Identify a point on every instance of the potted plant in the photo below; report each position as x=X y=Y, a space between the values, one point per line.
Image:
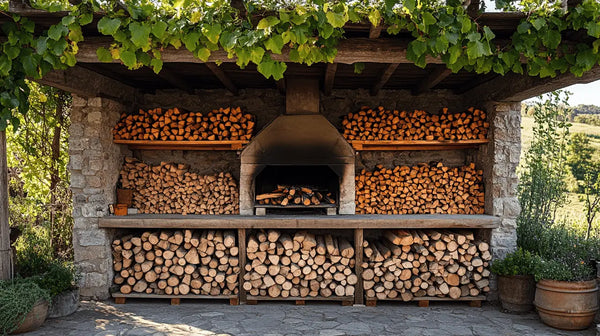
x=59 y=280
x=566 y=296
x=516 y=284
x=23 y=306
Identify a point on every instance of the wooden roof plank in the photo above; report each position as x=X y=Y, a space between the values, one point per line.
x=222 y=77
x=175 y=81
x=384 y=77
x=375 y=31
x=329 y=78
x=438 y=74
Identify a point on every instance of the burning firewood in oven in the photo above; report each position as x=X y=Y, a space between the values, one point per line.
x=293 y=195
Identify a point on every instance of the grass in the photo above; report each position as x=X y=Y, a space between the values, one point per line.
x=574 y=210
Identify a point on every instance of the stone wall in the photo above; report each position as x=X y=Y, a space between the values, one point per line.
x=94 y=165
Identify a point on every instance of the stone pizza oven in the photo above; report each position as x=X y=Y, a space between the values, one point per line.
x=300 y=147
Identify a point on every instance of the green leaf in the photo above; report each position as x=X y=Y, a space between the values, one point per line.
x=129 y=59
x=475 y=49
x=465 y=25
x=325 y=30
x=256 y=55
x=140 y=34
x=337 y=20
x=228 y=40
x=75 y=34
x=455 y=51
x=488 y=33
x=159 y=28
x=5 y=65
x=108 y=26
x=417 y=48
x=428 y=19
x=12 y=51
x=41 y=45
x=191 y=40
x=57 y=31
x=203 y=54
x=538 y=23
x=359 y=67
x=551 y=38
x=409 y=5
x=267 y=22
x=273 y=69
x=587 y=59
x=156 y=65
x=523 y=27
x=86 y=18
x=69 y=59
x=593 y=28
x=375 y=17
x=104 y=55
x=274 y=44
x=212 y=32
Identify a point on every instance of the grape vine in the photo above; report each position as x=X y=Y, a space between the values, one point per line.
x=142 y=29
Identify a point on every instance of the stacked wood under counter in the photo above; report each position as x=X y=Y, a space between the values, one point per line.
x=355 y=232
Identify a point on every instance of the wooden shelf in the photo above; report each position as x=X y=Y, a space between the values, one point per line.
x=345 y=300
x=183 y=145
x=175 y=299
x=474 y=301
x=408 y=145
x=301 y=221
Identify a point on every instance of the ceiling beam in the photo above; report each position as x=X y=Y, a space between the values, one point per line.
x=438 y=74
x=515 y=88
x=350 y=51
x=222 y=77
x=178 y=82
x=375 y=31
x=87 y=83
x=329 y=78
x=281 y=86
x=384 y=77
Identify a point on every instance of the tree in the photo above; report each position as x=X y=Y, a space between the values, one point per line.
x=580 y=155
x=591 y=197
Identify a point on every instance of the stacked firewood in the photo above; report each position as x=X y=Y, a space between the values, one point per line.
x=172 y=124
x=299 y=265
x=177 y=262
x=172 y=188
x=423 y=189
x=408 y=264
x=382 y=124
x=290 y=195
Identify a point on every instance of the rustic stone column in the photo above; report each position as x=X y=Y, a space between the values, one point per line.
x=94 y=165
x=499 y=160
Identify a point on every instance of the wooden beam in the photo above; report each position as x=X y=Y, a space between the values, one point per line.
x=175 y=81
x=281 y=86
x=88 y=83
x=515 y=88
x=375 y=31
x=384 y=77
x=329 y=78
x=5 y=250
x=438 y=74
x=350 y=51
x=222 y=77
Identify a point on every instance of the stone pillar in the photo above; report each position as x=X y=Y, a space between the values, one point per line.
x=500 y=159
x=95 y=162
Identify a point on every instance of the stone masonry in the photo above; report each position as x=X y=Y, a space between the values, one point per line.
x=95 y=161
x=94 y=166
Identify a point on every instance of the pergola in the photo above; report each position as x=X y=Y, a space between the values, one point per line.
x=386 y=68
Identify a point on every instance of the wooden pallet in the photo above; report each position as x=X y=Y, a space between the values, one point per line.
x=175 y=299
x=183 y=145
x=407 y=145
x=474 y=301
x=300 y=301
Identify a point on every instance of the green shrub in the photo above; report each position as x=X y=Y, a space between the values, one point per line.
x=520 y=262
x=17 y=298
x=34 y=251
x=550 y=269
x=59 y=277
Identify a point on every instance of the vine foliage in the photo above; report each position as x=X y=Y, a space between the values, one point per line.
x=308 y=30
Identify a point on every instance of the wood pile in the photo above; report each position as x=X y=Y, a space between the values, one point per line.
x=290 y=195
x=382 y=124
x=174 y=189
x=422 y=189
x=302 y=264
x=407 y=264
x=177 y=263
x=172 y=124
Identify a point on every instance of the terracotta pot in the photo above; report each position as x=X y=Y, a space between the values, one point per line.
x=567 y=305
x=34 y=319
x=516 y=292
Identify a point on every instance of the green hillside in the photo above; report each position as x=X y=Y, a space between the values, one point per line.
x=574 y=209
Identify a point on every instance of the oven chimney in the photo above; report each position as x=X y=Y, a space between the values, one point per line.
x=301 y=96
